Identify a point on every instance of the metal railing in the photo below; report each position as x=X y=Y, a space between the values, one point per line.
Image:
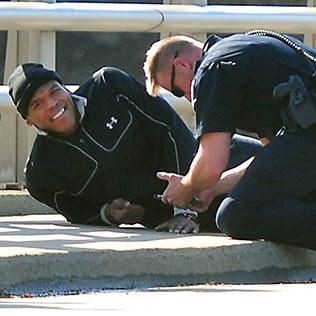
x=110 y=17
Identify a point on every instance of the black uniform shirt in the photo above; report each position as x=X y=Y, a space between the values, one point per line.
x=234 y=81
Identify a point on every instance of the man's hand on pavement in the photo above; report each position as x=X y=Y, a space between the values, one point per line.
x=123 y=212
x=183 y=224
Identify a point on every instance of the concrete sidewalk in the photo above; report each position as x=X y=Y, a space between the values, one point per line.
x=44 y=252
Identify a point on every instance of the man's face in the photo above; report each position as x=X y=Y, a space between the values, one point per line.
x=177 y=80
x=52 y=109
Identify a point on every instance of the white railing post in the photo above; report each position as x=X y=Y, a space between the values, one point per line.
x=310 y=38
x=23 y=46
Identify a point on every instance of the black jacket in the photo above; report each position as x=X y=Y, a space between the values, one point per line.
x=124 y=138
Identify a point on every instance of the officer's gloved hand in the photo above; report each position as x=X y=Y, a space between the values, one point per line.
x=181 y=223
x=123 y=212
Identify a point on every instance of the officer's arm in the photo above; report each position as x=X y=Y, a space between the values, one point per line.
x=205 y=170
x=228 y=180
x=226 y=184
x=209 y=163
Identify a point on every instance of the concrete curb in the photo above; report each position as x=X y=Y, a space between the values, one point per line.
x=45 y=252
x=20 y=202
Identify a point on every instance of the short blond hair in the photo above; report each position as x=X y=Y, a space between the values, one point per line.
x=158 y=57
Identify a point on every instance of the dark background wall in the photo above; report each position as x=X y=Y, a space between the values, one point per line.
x=81 y=53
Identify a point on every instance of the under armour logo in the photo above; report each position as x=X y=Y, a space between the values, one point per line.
x=110 y=124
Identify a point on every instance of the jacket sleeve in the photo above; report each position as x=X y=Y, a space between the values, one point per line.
x=48 y=181
x=76 y=209
x=81 y=210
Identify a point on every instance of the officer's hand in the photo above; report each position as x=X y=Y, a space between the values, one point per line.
x=123 y=212
x=179 y=224
x=176 y=193
x=202 y=202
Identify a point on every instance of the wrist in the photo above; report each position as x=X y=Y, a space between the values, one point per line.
x=106 y=215
x=189 y=216
x=188 y=186
x=181 y=211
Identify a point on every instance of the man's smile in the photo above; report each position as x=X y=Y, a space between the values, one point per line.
x=58 y=114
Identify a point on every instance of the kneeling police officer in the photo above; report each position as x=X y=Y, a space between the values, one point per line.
x=260 y=82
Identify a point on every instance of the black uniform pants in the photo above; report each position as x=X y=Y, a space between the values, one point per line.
x=276 y=198
x=241 y=149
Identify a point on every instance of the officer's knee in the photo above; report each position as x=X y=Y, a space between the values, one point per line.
x=231 y=219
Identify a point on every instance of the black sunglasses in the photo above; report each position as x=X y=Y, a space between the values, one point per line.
x=175 y=90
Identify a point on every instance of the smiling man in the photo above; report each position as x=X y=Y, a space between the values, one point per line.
x=51 y=108
x=98 y=149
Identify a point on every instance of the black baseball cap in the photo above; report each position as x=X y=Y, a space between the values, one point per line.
x=25 y=80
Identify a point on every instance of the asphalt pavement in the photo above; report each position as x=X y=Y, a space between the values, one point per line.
x=42 y=252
